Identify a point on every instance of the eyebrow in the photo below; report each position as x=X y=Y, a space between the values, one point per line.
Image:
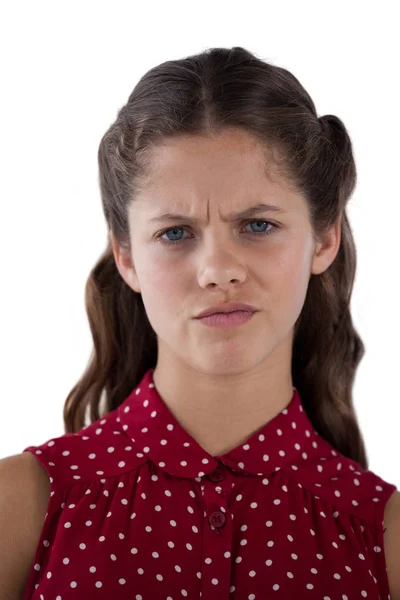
x=243 y=214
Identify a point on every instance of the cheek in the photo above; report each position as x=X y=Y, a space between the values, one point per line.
x=285 y=279
x=162 y=291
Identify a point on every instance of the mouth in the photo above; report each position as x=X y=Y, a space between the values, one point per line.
x=226 y=319
x=228 y=307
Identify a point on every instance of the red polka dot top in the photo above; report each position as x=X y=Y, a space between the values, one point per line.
x=139 y=510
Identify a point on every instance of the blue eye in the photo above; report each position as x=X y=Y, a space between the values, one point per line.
x=259 y=233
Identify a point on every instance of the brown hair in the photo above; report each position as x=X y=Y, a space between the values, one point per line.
x=201 y=95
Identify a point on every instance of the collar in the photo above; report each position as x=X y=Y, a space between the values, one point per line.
x=158 y=435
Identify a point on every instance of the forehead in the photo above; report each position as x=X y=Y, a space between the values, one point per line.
x=232 y=152
x=232 y=168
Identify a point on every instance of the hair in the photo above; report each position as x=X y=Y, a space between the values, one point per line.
x=203 y=95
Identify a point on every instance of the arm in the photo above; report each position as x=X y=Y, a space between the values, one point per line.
x=392 y=544
x=24 y=496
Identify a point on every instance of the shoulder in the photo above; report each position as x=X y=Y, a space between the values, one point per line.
x=24 y=488
x=21 y=472
x=98 y=451
x=343 y=483
x=392 y=544
x=24 y=498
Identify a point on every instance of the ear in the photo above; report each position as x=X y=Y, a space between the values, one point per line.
x=326 y=251
x=124 y=263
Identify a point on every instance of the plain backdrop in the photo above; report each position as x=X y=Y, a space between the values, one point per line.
x=67 y=68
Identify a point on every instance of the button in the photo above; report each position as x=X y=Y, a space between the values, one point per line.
x=217 y=475
x=217 y=519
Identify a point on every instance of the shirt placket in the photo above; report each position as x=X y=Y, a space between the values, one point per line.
x=218 y=534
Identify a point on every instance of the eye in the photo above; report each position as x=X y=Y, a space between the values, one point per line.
x=264 y=232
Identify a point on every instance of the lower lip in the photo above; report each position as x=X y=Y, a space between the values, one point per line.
x=225 y=320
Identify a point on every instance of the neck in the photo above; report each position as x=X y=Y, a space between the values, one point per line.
x=222 y=411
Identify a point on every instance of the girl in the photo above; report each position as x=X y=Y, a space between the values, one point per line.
x=222 y=457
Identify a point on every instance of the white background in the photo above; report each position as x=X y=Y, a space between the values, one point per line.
x=66 y=69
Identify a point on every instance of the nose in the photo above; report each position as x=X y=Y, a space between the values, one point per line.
x=222 y=273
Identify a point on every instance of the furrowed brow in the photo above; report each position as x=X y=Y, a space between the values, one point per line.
x=244 y=214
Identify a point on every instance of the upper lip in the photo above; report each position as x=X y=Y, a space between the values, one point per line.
x=227 y=307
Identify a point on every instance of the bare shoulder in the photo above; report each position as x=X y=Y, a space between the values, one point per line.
x=392 y=544
x=24 y=498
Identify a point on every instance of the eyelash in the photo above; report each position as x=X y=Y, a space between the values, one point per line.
x=259 y=234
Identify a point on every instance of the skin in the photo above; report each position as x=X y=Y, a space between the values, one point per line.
x=222 y=385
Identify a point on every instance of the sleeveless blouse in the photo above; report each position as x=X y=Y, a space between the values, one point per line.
x=139 y=510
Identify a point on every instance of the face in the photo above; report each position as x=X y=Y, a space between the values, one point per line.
x=182 y=267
